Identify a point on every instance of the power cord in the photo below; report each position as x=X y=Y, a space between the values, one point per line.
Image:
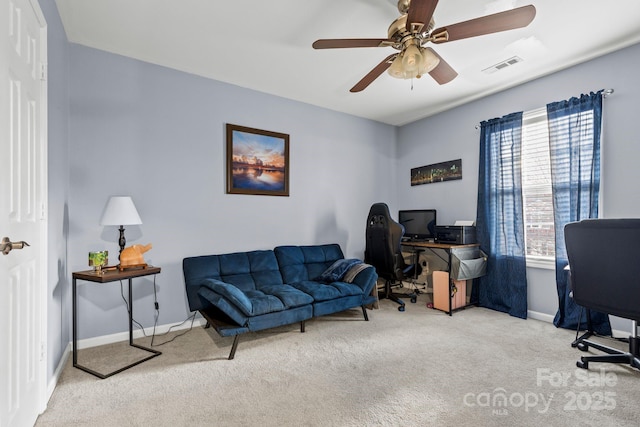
x=156 y=317
x=192 y=317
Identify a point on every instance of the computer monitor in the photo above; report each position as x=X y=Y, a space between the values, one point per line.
x=419 y=224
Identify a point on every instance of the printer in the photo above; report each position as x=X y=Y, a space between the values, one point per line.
x=456 y=234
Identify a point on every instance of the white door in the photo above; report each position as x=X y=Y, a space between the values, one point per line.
x=22 y=212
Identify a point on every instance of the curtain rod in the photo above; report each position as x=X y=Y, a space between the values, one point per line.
x=605 y=93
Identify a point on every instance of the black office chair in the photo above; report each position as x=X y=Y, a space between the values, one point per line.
x=604 y=258
x=383 y=251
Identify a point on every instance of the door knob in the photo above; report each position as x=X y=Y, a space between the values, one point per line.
x=7 y=245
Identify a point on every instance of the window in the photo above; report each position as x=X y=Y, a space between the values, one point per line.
x=537 y=197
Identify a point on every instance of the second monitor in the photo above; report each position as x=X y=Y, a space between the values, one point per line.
x=419 y=224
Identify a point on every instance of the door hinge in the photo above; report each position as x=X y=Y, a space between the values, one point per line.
x=43 y=71
x=43 y=351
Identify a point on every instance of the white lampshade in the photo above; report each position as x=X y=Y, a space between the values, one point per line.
x=120 y=210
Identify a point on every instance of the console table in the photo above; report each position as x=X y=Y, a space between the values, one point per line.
x=104 y=277
x=447 y=247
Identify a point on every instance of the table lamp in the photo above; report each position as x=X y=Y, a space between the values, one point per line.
x=121 y=211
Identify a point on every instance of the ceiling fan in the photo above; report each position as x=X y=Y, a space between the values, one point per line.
x=414 y=29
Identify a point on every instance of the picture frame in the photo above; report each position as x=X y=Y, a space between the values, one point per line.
x=437 y=172
x=257 y=161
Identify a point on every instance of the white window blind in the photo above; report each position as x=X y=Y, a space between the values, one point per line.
x=536 y=176
x=536 y=187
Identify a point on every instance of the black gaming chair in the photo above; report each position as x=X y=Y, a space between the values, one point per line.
x=605 y=277
x=383 y=251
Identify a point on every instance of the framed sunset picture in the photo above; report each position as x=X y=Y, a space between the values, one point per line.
x=257 y=161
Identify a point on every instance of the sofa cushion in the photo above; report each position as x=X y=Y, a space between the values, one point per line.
x=245 y=270
x=325 y=291
x=209 y=298
x=231 y=293
x=268 y=299
x=299 y=263
x=290 y=296
x=262 y=303
x=250 y=303
x=250 y=270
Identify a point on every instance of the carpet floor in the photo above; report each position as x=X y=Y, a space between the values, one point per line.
x=417 y=368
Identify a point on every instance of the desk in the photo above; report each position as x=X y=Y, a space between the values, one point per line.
x=105 y=277
x=447 y=247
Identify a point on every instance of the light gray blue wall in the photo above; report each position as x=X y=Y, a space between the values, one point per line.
x=452 y=135
x=159 y=135
x=58 y=285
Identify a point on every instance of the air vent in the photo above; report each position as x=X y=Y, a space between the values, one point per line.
x=502 y=65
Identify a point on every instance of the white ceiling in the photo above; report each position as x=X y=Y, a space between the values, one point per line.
x=265 y=45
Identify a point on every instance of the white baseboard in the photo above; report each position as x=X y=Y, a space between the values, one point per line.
x=549 y=319
x=137 y=333
x=540 y=316
x=58 y=372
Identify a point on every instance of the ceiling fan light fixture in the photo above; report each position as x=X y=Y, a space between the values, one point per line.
x=429 y=61
x=415 y=28
x=397 y=70
x=408 y=64
x=413 y=62
x=412 y=59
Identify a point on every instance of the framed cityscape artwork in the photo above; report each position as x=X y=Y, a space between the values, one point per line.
x=438 y=172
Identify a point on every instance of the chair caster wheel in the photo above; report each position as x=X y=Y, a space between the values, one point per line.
x=414 y=299
x=401 y=308
x=582 y=364
x=582 y=346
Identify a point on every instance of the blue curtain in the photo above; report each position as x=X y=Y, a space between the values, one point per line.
x=574 y=145
x=499 y=222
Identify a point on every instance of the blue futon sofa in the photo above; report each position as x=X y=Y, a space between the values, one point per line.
x=251 y=291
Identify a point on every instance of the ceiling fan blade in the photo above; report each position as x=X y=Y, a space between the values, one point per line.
x=374 y=74
x=342 y=43
x=419 y=15
x=502 y=21
x=443 y=73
